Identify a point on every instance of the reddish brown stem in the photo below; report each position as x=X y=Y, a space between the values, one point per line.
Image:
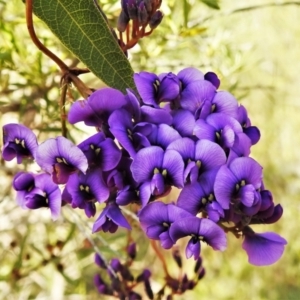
x=36 y=41
x=161 y=258
x=63 y=114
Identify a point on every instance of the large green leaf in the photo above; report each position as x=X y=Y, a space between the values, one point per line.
x=82 y=28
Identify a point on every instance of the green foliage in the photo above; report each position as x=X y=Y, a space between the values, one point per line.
x=83 y=29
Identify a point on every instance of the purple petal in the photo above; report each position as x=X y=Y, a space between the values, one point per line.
x=155 y=115
x=144 y=163
x=263 y=249
x=169 y=88
x=18 y=141
x=184 y=122
x=147 y=84
x=193 y=248
x=115 y=214
x=194 y=95
x=81 y=111
x=165 y=135
x=213 y=78
x=253 y=133
x=246 y=168
x=174 y=165
x=188 y=75
x=210 y=154
x=224 y=186
x=225 y=103
x=185 y=147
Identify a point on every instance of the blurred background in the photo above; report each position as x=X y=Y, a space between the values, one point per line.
x=254 y=47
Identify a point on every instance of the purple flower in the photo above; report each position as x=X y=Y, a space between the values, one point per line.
x=199 y=157
x=200 y=230
x=223 y=102
x=18 y=141
x=218 y=128
x=110 y=218
x=251 y=131
x=61 y=158
x=199 y=197
x=97 y=108
x=156 y=219
x=156 y=170
x=195 y=94
x=263 y=248
x=37 y=191
x=238 y=183
x=101 y=151
x=86 y=189
x=23 y=183
x=156 y=89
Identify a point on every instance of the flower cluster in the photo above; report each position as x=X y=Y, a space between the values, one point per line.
x=138 y=18
x=178 y=131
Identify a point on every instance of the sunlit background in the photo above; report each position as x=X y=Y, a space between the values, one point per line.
x=255 y=50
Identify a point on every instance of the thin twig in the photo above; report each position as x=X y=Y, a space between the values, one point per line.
x=36 y=41
x=62 y=105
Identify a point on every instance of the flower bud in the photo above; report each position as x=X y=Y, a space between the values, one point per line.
x=131 y=250
x=123 y=21
x=142 y=14
x=156 y=19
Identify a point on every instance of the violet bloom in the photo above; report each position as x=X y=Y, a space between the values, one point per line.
x=156 y=219
x=86 y=189
x=198 y=156
x=157 y=170
x=37 y=193
x=101 y=152
x=263 y=249
x=96 y=110
x=23 y=183
x=18 y=141
x=222 y=102
x=218 y=128
x=200 y=230
x=238 y=183
x=251 y=131
x=110 y=218
x=155 y=89
x=199 y=197
x=195 y=94
x=122 y=127
x=61 y=158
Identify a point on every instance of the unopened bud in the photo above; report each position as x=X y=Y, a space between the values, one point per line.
x=177 y=258
x=142 y=14
x=123 y=21
x=156 y=19
x=131 y=250
x=132 y=10
x=198 y=265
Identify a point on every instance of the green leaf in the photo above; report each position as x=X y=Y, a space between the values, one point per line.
x=212 y=3
x=82 y=28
